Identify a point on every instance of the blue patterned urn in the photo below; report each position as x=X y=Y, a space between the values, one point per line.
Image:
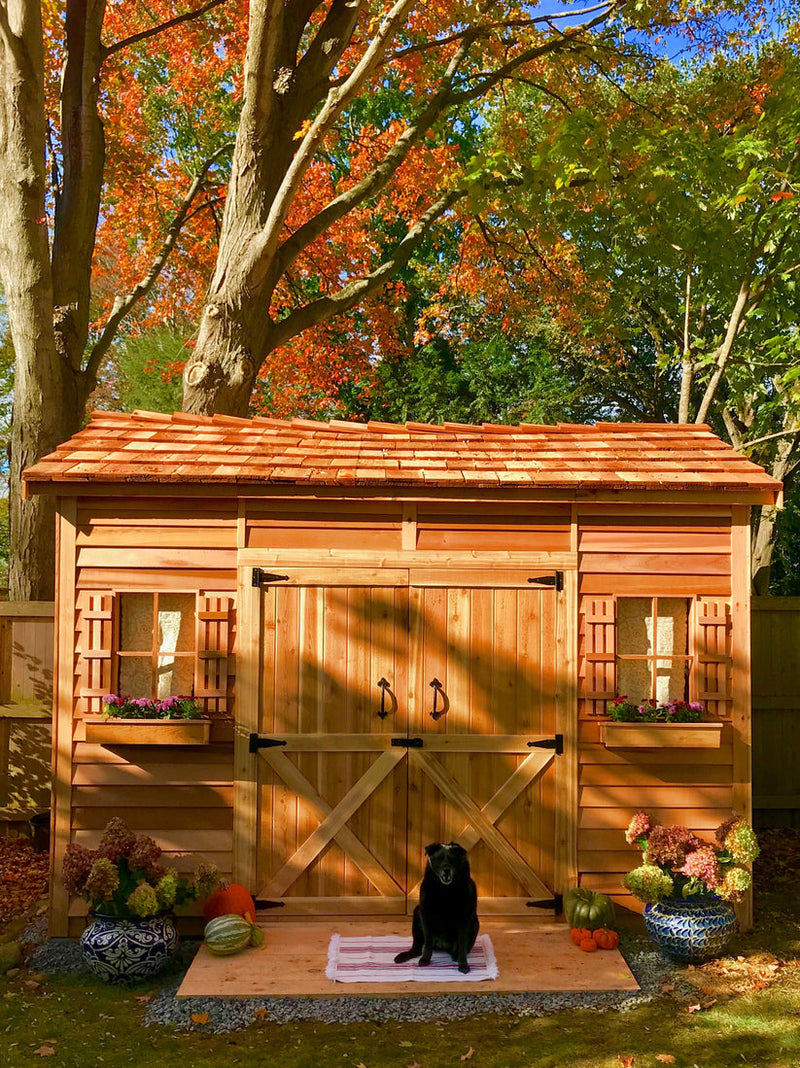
x=690 y=929
x=125 y=951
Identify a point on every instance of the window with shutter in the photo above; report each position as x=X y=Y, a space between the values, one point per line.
x=95 y=648
x=600 y=652
x=214 y=662
x=714 y=661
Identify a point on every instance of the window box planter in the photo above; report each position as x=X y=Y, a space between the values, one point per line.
x=658 y=735
x=102 y=731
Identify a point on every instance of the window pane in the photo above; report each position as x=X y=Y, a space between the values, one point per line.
x=634 y=679
x=136 y=622
x=672 y=680
x=672 y=631
x=135 y=676
x=635 y=626
x=176 y=622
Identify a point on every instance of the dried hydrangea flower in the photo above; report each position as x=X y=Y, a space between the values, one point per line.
x=721 y=832
x=669 y=845
x=117 y=840
x=639 y=827
x=77 y=865
x=144 y=855
x=734 y=884
x=741 y=843
x=102 y=880
x=143 y=901
x=703 y=864
x=206 y=879
x=649 y=883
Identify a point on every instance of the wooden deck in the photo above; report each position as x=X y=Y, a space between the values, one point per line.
x=532 y=956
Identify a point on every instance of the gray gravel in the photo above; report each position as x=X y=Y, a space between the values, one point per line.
x=648 y=965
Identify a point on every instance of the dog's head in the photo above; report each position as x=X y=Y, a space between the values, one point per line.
x=447 y=861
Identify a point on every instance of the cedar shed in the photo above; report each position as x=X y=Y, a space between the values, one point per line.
x=400 y=634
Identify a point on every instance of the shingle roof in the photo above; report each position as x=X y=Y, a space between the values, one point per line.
x=184 y=448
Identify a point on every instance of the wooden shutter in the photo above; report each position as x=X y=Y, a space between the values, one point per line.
x=713 y=645
x=214 y=661
x=95 y=648
x=600 y=670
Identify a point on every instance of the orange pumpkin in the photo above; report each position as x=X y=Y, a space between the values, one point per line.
x=588 y=945
x=576 y=935
x=231 y=900
x=606 y=938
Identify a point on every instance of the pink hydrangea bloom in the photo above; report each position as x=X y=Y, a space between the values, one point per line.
x=117 y=840
x=702 y=864
x=639 y=827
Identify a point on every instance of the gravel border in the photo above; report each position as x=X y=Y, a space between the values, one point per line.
x=647 y=963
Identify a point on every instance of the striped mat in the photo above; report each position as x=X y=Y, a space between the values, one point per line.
x=371 y=960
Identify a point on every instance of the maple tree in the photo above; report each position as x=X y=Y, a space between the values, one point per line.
x=297 y=154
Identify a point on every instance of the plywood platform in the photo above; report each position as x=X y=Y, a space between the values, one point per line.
x=532 y=957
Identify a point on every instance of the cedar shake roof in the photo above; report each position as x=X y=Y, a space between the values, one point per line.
x=148 y=447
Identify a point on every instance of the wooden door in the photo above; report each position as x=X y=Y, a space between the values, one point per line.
x=331 y=786
x=484 y=774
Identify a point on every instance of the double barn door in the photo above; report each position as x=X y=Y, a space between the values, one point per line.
x=394 y=712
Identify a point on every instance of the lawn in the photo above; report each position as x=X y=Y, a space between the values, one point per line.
x=744 y=1010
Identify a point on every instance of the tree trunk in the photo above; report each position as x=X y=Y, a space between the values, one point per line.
x=763 y=541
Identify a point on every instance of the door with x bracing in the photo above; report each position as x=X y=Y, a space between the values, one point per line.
x=399 y=714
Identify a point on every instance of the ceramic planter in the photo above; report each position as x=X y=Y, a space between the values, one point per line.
x=692 y=929
x=126 y=951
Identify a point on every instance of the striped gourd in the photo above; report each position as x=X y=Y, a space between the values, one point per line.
x=229 y=934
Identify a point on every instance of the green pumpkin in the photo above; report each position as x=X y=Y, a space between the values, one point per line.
x=585 y=908
x=226 y=935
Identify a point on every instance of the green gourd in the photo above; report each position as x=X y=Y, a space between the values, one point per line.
x=585 y=908
x=226 y=935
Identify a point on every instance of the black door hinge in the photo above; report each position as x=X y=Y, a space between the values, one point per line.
x=556 y=743
x=263 y=903
x=556 y=579
x=407 y=743
x=257 y=742
x=555 y=903
x=260 y=577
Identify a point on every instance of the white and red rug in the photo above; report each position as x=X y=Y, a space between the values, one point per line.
x=370 y=959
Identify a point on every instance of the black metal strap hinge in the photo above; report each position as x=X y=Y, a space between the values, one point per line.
x=263 y=903
x=260 y=577
x=555 y=903
x=407 y=743
x=258 y=742
x=556 y=579
x=556 y=743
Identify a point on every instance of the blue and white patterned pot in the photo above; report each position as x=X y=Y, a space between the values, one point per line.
x=691 y=929
x=125 y=951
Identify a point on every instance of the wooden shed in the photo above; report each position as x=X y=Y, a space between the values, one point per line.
x=401 y=634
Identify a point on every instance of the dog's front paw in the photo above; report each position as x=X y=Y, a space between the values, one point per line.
x=424 y=960
x=463 y=967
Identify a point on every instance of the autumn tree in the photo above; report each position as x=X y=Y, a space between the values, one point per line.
x=115 y=181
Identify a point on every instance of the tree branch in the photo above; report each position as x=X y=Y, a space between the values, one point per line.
x=351 y=294
x=153 y=31
x=123 y=305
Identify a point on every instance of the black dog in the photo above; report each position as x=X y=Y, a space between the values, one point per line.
x=447 y=914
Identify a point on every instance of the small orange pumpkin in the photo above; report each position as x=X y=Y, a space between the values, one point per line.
x=230 y=900
x=606 y=938
x=588 y=945
x=576 y=935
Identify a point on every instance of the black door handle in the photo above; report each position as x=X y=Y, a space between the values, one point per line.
x=437 y=688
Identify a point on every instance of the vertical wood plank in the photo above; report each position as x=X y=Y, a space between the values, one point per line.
x=408 y=528
x=740 y=681
x=63 y=711
x=567 y=814
x=245 y=791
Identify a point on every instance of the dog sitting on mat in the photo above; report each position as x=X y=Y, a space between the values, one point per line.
x=447 y=914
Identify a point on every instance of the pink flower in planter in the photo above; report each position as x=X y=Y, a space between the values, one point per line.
x=703 y=865
x=639 y=827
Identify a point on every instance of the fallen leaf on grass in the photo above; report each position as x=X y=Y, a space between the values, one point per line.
x=44 y=1051
x=468 y=1055
x=260 y=1014
x=416 y=1064
x=406 y=1045
x=199 y=1017
x=665 y=1058
x=626 y=1062
x=144 y=997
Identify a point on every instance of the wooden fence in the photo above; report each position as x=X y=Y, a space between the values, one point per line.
x=776 y=711
x=26 y=694
x=26 y=679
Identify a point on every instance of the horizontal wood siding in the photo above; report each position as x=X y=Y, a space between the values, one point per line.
x=660 y=552
x=181 y=796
